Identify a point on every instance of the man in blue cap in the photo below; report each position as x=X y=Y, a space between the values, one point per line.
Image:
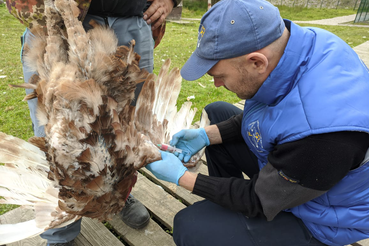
x=302 y=137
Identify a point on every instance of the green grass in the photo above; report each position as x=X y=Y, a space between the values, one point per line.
x=178 y=44
x=6 y=208
x=303 y=14
x=351 y=35
x=14 y=114
x=195 y=9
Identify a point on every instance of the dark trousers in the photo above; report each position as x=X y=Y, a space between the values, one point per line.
x=206 y=223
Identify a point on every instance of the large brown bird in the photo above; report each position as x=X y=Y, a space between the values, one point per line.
x=95 y=141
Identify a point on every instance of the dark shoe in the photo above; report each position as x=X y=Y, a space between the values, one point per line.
x=134 y=214
x=71 y=243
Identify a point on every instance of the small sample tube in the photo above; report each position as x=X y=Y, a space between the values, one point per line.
x=169 y=148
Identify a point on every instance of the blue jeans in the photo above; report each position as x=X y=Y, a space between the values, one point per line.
x=207 y=223
x=125 y=29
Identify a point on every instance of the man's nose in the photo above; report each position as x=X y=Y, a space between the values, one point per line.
x=218 y=82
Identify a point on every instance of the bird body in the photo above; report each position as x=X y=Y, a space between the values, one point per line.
x=95 y=141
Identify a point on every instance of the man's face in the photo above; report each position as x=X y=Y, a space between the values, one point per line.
x=235 y=76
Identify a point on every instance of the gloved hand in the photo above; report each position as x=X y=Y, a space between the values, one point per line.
x=190 y=141
x=168 y=169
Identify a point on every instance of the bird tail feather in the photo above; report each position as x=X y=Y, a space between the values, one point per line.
x=24 y=181
x=15 y=232
x=204 y=121
x=22 y=154
x=156 y=108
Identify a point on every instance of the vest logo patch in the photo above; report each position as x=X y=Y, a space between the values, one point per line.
x=254 y=136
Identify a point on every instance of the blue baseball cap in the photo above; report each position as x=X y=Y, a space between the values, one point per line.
x=232 y=28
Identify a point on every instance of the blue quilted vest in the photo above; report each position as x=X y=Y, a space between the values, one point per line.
x=319 y=86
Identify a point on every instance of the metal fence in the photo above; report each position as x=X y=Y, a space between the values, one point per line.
x=363 y=12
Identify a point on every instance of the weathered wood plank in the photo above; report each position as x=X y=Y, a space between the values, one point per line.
x=238 y=105
x=363 y=51
x=203 y=158
x=95 y=233
x=30 y=242
x=181 y=193
x=81 y=241
x=186 y=196
x=92 y=231
x=201 y=168
x=152 y=234
x=364 y=242
x=157 y=200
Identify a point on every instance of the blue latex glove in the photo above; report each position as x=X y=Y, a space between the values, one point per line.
x=168 y=169
x=190 y=141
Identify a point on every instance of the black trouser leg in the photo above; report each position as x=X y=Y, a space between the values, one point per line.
x=206 y=223
x=231 y=159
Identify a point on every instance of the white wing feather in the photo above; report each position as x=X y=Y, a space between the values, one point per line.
x=14 y=232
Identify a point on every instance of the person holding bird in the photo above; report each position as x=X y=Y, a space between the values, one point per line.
x=130 y=20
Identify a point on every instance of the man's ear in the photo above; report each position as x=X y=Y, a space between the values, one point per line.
x=257 y=61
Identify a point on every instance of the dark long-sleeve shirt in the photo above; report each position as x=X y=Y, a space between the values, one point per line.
x=296 y=172
x=124 y=8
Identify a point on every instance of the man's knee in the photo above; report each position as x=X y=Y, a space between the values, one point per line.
x=220 y=111
x=183 y=228
x=214 y=107
x=178 y=225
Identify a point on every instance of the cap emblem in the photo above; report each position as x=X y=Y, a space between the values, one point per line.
x=201 y=35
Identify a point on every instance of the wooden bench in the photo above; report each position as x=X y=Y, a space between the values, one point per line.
x=162 y=199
